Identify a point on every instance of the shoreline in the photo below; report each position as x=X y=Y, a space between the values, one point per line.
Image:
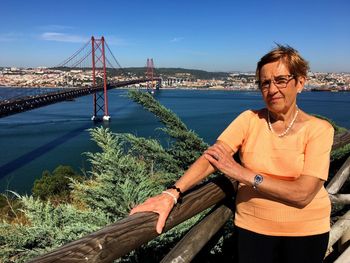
x=180 y=88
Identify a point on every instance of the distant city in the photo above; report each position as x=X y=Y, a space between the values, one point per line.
x=171 y=78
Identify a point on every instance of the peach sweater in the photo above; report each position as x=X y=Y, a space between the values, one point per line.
x=305 y=152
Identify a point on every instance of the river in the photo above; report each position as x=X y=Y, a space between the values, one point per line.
x=44 y=138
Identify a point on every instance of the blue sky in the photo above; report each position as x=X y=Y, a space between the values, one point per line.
x=210 y=35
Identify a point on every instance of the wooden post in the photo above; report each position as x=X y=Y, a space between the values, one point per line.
x=339 y=179
x=344 y=240
x=342 y=199
x=337 y=230
x=344 y=257
x=188 y=247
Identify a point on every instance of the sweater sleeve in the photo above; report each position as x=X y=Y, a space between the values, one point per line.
x=236 y=132
x=317 y=151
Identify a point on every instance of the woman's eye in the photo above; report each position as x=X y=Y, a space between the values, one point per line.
x=265 y=83
x=281 y=80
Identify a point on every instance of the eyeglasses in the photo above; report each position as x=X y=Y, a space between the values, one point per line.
x=280 y=82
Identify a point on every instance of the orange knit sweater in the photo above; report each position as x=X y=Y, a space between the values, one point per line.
x=305 y=152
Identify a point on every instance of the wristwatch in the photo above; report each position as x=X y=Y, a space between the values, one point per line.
x=258 y=179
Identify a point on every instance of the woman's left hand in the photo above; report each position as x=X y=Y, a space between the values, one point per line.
x=222 y=159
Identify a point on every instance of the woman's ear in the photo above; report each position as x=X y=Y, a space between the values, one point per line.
x=300 y=83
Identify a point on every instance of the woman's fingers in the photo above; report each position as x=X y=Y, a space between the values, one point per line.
x=214 y=153
x=163 y=213
x=213 y=160
x=217 y=151
x=137 y=209
x=161 y=222
x=221 y=148
x=161 y=204
x=221 y=159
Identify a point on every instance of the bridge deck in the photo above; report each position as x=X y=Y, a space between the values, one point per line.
x=13 y=106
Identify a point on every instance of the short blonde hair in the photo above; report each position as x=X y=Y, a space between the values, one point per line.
x=297 y=65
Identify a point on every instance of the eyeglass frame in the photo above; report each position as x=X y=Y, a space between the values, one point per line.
x=289 y=76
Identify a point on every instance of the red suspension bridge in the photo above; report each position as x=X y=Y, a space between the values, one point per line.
x=99 y=72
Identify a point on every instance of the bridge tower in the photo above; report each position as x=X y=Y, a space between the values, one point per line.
x=99 y=77
x=150 y=75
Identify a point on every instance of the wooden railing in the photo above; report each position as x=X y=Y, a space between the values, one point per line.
x=118 y=239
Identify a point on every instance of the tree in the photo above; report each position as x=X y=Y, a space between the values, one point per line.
x=55 y=184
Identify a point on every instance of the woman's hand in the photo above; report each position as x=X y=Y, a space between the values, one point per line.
x=221 y=158
x=161 y=204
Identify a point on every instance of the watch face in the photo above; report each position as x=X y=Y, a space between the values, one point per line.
x=258 y=179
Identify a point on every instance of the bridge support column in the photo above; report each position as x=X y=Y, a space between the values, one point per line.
x=106 y=116
x=150 y=73
x=100 y=99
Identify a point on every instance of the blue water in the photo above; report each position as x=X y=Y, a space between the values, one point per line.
x=44 y=138
x=14 y=93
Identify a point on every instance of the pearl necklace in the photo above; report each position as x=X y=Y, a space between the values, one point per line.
x=289 y=126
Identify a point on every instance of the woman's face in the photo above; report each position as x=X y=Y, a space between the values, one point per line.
x=279 y=99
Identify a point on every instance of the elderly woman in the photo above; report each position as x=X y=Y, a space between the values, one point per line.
x=282 y=208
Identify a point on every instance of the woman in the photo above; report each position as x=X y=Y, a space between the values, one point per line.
x=282 y=208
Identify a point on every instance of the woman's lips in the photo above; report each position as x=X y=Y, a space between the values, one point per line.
x=275 y=99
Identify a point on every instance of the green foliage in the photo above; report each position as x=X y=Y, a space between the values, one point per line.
x=55 y=184
x=165 y=115
x=171 y=72
x=342 y=151
x=119 y=180
x=10 y=208
x=187 y=146
x=50 y=227
x=152 y=152
x=167 y=72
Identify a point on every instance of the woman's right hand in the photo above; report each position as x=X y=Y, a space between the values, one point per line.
x=161 y=204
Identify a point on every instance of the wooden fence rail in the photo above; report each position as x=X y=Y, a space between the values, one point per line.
x=129 y=233
x=120 y=238
x=341 y=139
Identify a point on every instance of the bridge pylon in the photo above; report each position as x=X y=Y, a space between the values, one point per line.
x=150 y=76
x=99 y=78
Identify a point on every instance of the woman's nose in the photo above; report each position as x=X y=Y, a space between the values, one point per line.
x=273 y=88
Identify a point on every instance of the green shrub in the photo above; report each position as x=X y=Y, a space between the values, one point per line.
x=55 y=184
x=50 y=226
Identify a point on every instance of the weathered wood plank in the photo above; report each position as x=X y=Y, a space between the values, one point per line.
x=344 y=257
x=188 y=247
x=129 y=233
x=341 y=140
x=340 y=178
x=344 y=241
x=342 y=199
x=337 y=230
